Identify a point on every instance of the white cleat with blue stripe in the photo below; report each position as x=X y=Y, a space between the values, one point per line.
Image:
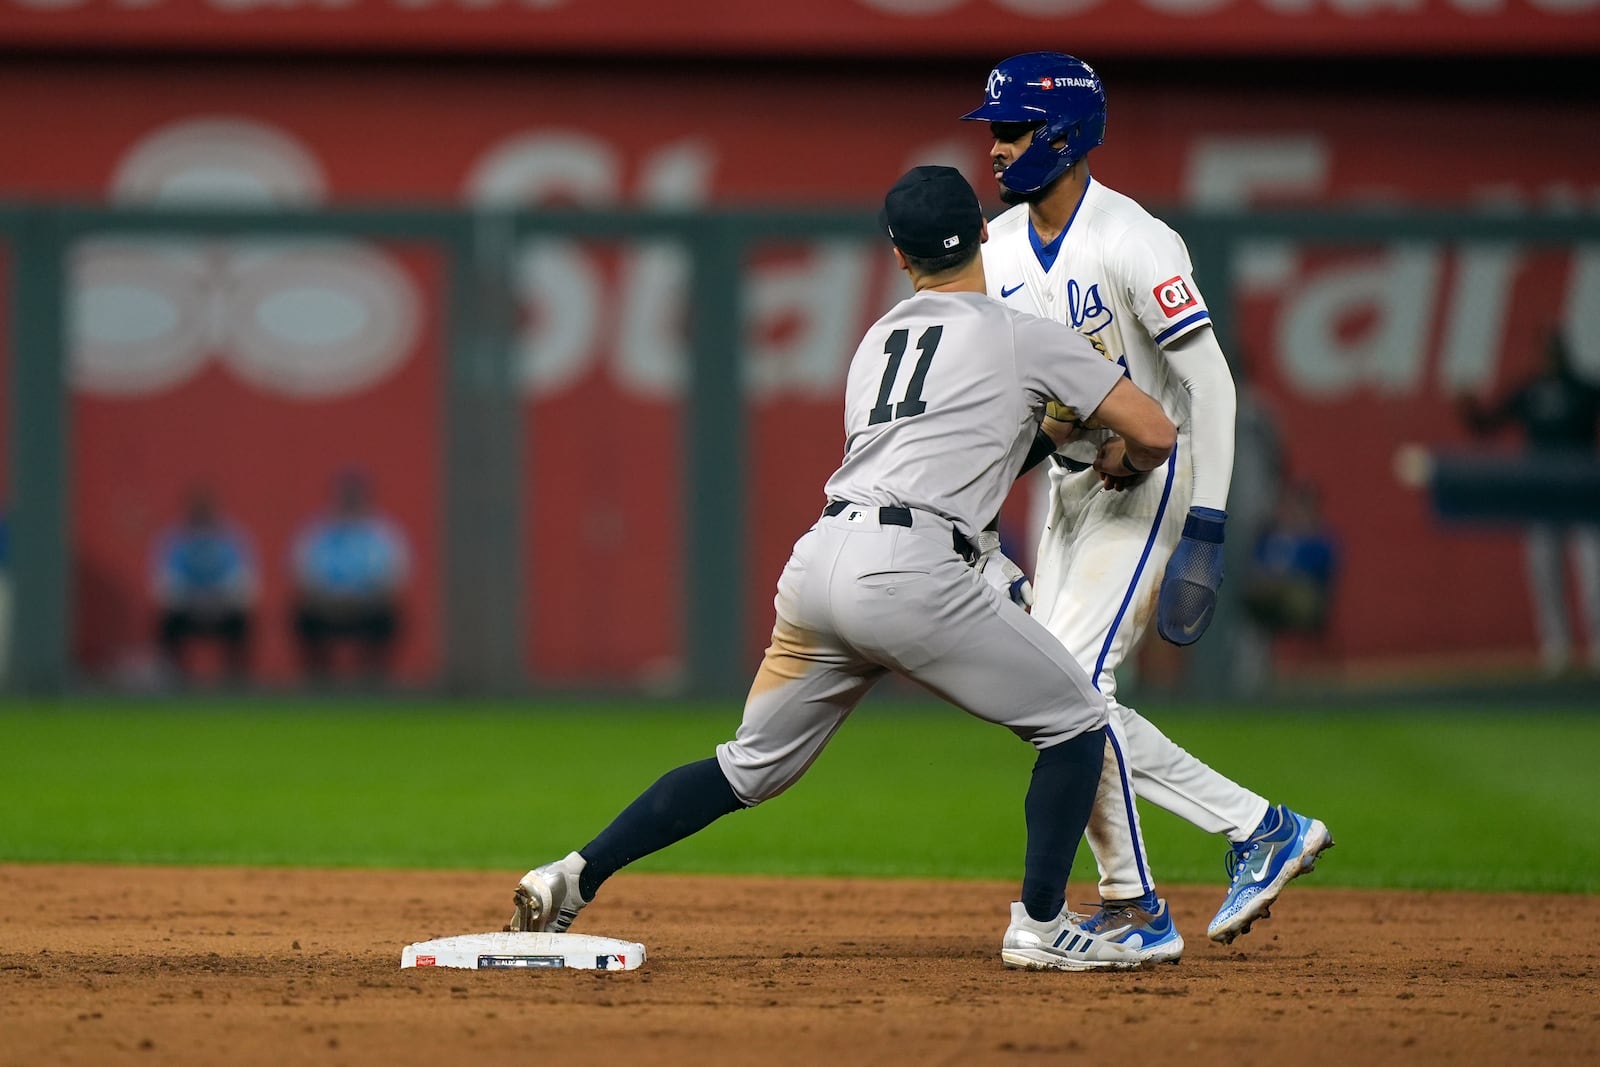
x=1062 y=945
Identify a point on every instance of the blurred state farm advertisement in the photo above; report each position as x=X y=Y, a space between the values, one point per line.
x=273 y=368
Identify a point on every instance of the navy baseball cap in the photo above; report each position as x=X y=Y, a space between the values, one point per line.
x=932 y=212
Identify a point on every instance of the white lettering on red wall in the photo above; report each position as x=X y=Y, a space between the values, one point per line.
x=305 y=318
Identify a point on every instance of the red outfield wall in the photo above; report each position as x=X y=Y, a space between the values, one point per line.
x=907 y=28
x=1355 y=353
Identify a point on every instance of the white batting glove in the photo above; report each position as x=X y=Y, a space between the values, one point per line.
x=1000 y=572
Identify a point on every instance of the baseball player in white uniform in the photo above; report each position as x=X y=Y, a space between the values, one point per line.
x=1116 y=551
x=943 y=407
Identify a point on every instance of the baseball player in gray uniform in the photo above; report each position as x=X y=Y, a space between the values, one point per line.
x=943 y=407
x=1075 y=251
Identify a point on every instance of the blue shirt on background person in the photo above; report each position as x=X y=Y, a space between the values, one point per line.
x=204 y=582
x=350 y=557
x=350 y=568
x=203 y=564
x=1289 y=586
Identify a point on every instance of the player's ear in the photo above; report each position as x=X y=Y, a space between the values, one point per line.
x=983 y=232
x=900 y=260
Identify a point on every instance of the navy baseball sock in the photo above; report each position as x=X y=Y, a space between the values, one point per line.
x=681 y=802
x=1060 y=797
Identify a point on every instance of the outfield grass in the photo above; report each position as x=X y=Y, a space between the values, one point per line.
x=1415 y=800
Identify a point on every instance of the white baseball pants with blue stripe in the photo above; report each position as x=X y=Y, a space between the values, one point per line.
x=1099 y=567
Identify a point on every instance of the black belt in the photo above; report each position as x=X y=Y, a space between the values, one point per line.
x=898 y=516
x=1072 y=465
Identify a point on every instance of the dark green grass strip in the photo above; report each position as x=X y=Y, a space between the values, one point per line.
x=1414 y=800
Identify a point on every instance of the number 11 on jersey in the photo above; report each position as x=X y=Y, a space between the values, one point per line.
x=895 y=349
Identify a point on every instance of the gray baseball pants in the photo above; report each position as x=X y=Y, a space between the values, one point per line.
x=861 y=597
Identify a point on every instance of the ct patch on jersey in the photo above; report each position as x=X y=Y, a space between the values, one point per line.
x=1175 y=296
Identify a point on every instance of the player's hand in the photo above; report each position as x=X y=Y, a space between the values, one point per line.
x=1000 y=572
x=1111 y=464
x=1060 y=423
x=1188 y=596
x=1062 y=433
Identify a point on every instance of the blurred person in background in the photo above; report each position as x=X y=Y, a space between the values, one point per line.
x=1254 y=498
x=1559 y=413
x=1288 y=585
x=204 y=582
x=350 y=565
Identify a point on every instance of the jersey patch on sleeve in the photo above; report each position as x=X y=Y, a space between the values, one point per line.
x=1175 y=295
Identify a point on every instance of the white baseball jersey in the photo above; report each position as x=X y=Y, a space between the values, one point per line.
x=1116 y=274
x=942 y=398
x=1122 y=277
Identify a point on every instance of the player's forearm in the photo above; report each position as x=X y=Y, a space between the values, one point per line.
x=1043 y=445
x=1143 y=456
x=1147 y=436
x=1201 y=366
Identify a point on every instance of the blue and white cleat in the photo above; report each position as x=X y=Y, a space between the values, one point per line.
x=1151 y=933
x=1260 y=868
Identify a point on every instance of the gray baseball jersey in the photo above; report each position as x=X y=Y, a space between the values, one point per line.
x=940 y=406
x=942 y=398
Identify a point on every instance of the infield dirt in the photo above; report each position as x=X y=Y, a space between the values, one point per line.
x=103 y=965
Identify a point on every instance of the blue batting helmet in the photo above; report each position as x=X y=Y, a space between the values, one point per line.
x=1063 y=95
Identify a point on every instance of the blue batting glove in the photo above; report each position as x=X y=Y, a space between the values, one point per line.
x=1188 y=595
